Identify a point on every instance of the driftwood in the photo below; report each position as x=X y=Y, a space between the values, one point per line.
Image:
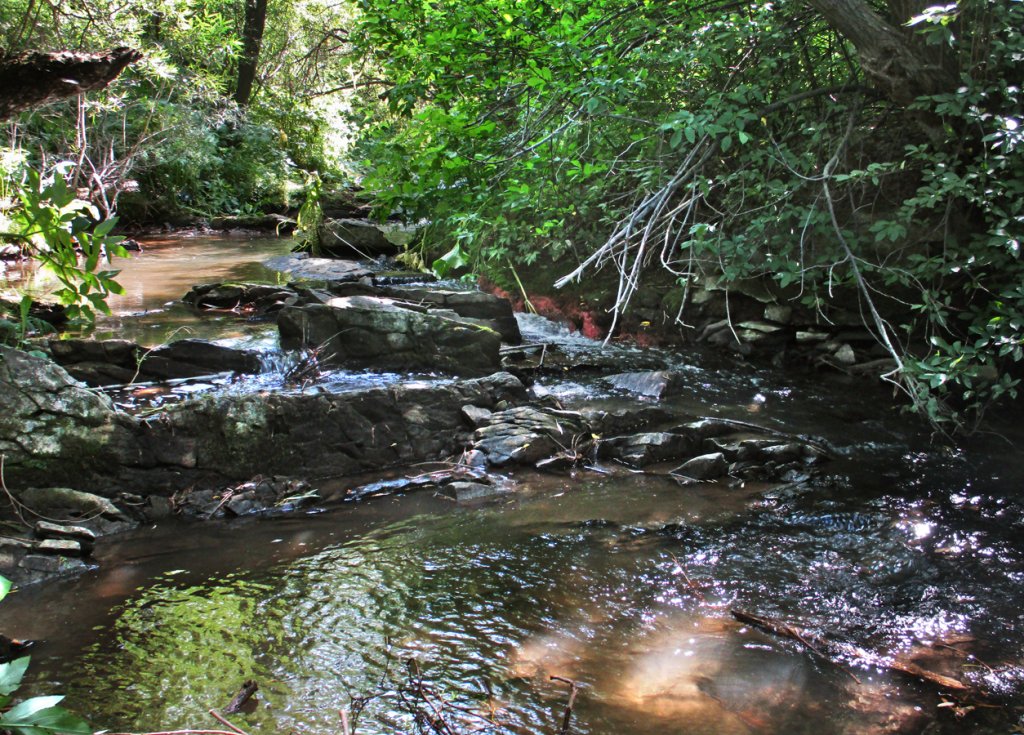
x=825 y=650
x=37 y=78
x=249 y=687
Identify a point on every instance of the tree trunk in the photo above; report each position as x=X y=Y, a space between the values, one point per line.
x=34 y=79
x=252 y=39
x=899 y=65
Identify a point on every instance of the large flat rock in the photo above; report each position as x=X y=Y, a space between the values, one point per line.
x=367 y=331
x=301 y=267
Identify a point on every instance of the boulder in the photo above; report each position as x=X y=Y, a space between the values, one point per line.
x=188 y=358
x=484 y=308
x=257 y=496
x=704 y=467
x=528 y=434
x=463 y=491
x=352 y=237
x=53 y=430
x=363 y=331
x=234 y=437
x=640 y=450
x=249 y=299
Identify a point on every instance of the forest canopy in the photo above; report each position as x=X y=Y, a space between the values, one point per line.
x=830 y=146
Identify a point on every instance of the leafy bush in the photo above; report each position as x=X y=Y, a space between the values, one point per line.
x=738 y=143
x=67 y=238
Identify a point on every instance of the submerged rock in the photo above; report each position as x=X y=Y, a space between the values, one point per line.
x=652 y=383
x=367 y=331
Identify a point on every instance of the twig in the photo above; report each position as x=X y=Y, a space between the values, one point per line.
x=786 y=631
x=224 y=721
x=573 y=690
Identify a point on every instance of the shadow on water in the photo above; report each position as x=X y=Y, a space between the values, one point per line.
x=621 y=582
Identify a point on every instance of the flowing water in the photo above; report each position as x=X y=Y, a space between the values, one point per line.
x=619 y=581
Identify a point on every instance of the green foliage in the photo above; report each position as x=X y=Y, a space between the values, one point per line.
x=37 y=715
x=64 y=236
x=722 y=141
x=310 y=217
x=166 y=141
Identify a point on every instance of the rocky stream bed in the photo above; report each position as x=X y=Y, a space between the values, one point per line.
x=702 y=545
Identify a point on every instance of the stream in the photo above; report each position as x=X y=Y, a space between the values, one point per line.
x=618 y=580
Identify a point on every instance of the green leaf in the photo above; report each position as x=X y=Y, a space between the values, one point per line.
x=11 y=675
x=29 y=707
x=39 y=716
x=5 y=584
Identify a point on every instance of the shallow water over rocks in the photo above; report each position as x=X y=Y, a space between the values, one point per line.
x=620 y=580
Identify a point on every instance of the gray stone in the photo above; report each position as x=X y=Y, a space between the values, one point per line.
x=53 y=430
x=475 y=415
x=640 y=450
x=811 y=336
x=350 y=237
x=318 y=269
x=620 y=420
x=157 y=508
x=464 y=491
x=192 y=357
x=845 y=355
x=652 y=383
x=705 y=467
x=34 y=568
x=62 y=547
x=372 y=332
x=708 y=428
x=761 y=327
x=253 y=299
x=778 y=313
x=45 y=529
x=68 y=503
x=484 y=308
x=115 y=362
x=526 y=434
x=237 y=436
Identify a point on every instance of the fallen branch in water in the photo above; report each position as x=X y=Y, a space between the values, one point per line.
x=781 y=629
x=939 y=680
x=573 y=690
x=249 y=688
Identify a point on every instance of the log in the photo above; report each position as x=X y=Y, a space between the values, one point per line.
x=37 y=78
x=249 y=687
